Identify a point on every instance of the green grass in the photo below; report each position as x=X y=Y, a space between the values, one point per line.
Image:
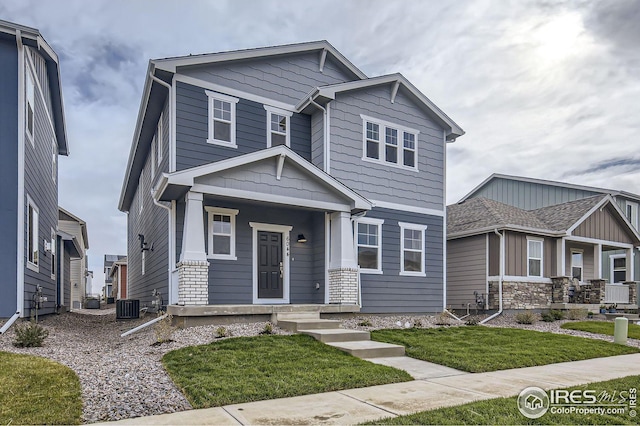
x=248 y=369
x=481 y=349
x=504 y=411
x=36 y=390
x=601 y=327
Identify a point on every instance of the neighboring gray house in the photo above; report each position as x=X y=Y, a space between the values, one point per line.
x=285 y=176
x=564 y=233
x=32 y=132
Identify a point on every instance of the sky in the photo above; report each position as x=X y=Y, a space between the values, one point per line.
x=543 y=88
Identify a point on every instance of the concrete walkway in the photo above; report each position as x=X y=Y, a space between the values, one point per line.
x=444 y=388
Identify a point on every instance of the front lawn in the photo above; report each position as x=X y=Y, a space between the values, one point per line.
x=601 y=327
x=36 y=390
x=504 y=411
x=246 y=369
x=479 y=349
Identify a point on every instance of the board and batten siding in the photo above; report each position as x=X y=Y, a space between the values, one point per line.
x=40 y=186
x=8 y=175
x=192 y=131
x=285 y=79
x=378 y=181
x=466 y=270
x=588 y=262
x=529 y=195
x=391 y=292
x=516 y=255
x=603 y=226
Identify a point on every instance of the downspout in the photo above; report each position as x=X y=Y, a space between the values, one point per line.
x=9 y=323
x=500 y=278
x=20 y=267
x=145 y=325
x=325 y=156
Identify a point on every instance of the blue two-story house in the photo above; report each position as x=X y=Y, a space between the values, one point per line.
x=267 y=178
x=34 y=255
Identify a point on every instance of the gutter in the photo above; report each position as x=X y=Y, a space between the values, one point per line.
x=499 y=280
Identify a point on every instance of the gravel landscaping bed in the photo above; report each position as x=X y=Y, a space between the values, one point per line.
x=123 y=377
x=120 y=377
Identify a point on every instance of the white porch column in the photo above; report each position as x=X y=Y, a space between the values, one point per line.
x=597 y=255
x=193 y=268
x=343 y=268
x=630 y=273
x=561 y=271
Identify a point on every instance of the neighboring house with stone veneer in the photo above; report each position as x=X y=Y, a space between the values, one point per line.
x=546 y=257
x=265 y=178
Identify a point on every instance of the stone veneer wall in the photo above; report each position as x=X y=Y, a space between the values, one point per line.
x=520 y=295
x=633 y=292
x=193 y=283
x=343 y=286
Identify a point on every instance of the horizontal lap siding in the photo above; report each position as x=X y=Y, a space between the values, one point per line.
x=8 y=175
x=284 y=79
x=317 y=139
x=379 y=181
x=392 y=293
x=192 y=130
x=466 y=270
x=43 y=190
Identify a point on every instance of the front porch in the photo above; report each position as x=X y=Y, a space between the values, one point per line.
x=190 y=316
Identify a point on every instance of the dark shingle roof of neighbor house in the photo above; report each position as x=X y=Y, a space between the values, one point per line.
x=481 y=213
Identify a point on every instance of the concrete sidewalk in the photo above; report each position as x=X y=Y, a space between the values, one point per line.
x=437 y=390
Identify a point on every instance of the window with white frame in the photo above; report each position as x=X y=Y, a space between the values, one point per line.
x=54 y=160
x=53 y=254
x=278 y=126
x=143 y=263
x=153 y=157
x=412 y=239
x=159 y=138
x=31 y=109
x=577 y=261
x=369 y=245
x=632 y=213
x=618 y=268
x=222 y=233
x=33 y=252
x=389 y=143
x=140 y=191
x=222 y=119
x=534 y=257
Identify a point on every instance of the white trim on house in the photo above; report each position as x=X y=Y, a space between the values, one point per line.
x=218 y=88
x=159 y=138
x=406 y=208
x=285 y=230
x=232 y=213
x=212 y=97
x=173 y=271
x=603 y=242
x=581 y=266
x=529 y=257
x=33 y=237
x=382 y=143
x=414 y=227
x=378 y=224
x=21 y=191
x=327 y=254
x=631 y=212
x=172 y=127
x=444 y=225
x=282 y=113
x=519 y=279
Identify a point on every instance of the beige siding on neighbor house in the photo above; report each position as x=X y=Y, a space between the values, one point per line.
x=603 y=226
x=466 y=270
x=516 y=254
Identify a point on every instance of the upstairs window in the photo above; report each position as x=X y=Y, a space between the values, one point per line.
x=278 y=126
x=534 y=258
x=54 y=159
x=33 y=252
x=159 y=138
x=30 y=123
x=632 y=213
x=222 y=233
x=140 y=191
x=369 y=245
x=398 y=148
x=222 y=119
x=412 y=249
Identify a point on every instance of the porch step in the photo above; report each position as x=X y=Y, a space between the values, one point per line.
x=297 y=325
x=337 y=335
x=369 y=349
x=285 y=316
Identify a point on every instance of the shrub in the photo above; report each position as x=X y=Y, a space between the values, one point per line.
x=30 y=335
x=443 y=318
x=526 y=317
x=557 y=314
x=268 y=329
x=473 y=320
x=222 y=332
x=578 y=314
x=164 y=330
x=365 y=323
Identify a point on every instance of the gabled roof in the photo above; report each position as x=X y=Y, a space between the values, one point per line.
x=324 y=93
x=480 y=215
x=173 y=63
x=82 y=223
x=598 y=190
x=186 y=178
x=72 y=244
x=32 y=37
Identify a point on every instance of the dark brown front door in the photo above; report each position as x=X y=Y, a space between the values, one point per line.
x=270 y=267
